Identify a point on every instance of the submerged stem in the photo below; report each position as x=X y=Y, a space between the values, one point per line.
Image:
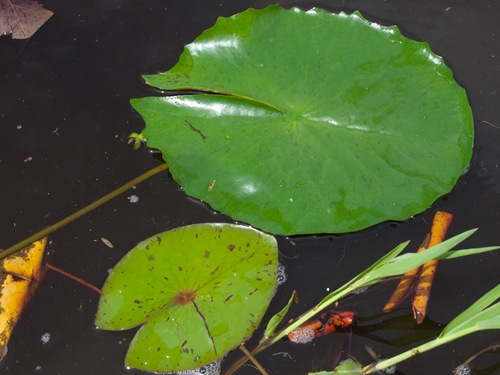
x=74 y=278
x=253 y=360
x=52 y=228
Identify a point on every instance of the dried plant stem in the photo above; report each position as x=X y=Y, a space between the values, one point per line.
x=51 y=228
x=440 y=225
x=253 y=360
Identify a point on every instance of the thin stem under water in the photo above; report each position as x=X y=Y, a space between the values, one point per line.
x=52 y=228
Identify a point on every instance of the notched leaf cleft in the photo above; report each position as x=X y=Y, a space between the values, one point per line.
x=356 y=110
x=192 y=318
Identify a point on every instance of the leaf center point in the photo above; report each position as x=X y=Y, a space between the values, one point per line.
x=184 y=297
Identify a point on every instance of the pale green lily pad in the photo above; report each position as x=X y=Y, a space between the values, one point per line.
x=199 y=290
x=310 y=122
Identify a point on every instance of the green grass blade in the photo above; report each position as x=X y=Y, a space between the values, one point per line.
x=276 y=319
x=406 y=262
x=466 y=252
x=354 y=283
x=471 y=315
x=491 y=318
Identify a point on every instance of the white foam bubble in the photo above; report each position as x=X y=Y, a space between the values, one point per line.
x=301 y=335
x=463 y=370
x=281 y=279
x=133 y=199
x=45 y=338
x=210 y=369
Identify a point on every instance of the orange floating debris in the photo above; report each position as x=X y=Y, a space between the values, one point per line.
x=403 y=289
x=421 y=276
x=20 y=273
x=322 y=325
x=440 y=225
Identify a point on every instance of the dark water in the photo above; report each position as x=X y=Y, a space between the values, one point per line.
x=64 y=102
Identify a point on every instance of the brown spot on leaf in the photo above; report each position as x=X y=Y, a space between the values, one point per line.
x=214 y=271
x=230 y=247
x=206 y=254
x=228 y=298
x=185 y=297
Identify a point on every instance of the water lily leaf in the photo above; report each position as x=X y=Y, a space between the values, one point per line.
x=22 y=18
x=314 y=122
x=200 y=291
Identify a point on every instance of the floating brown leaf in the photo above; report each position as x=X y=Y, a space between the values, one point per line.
x=22 y=18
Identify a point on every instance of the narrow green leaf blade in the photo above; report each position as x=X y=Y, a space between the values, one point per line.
x=277 y=318
x=408 y=261
x=361 y=279
x=466 y=252
x=470 y=315
x=490 y=319
x=392 y=265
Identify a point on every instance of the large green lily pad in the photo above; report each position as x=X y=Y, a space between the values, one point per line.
x=199 y=290
x=310 y=122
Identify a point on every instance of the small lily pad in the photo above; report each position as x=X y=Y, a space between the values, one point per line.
x=199 y=291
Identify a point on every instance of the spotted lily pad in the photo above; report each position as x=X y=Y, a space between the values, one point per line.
x=308 y=122
x=199 y=291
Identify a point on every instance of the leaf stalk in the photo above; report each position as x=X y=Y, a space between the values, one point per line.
x=85 y=210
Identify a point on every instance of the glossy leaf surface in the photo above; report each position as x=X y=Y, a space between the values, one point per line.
x=314 y=122
x=200 y=291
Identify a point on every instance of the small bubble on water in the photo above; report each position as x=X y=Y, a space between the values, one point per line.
x=45 y=338
x=133 y=199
